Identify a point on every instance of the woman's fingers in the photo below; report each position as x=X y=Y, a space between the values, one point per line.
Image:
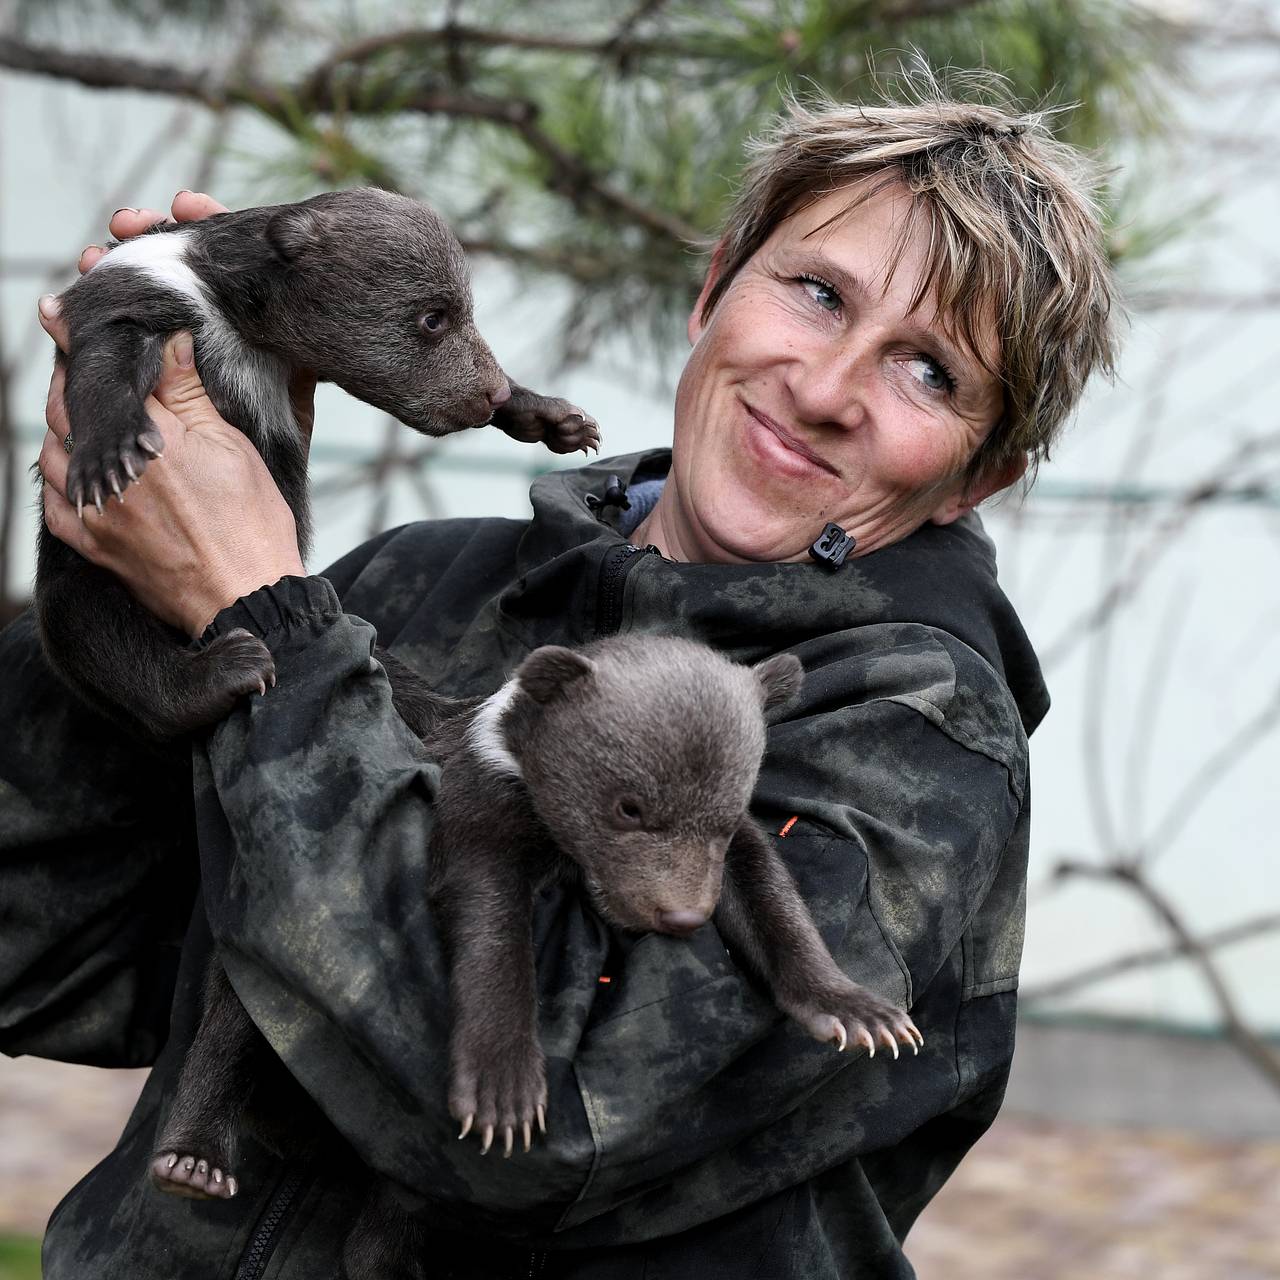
x=89 y=256
x=191 y=206
x=124 y=224
x=180 y=391
x=53 y=450
x=53 y=464
x=51 y=320
x=188 y=206
x=61 y=520
x=127 y=223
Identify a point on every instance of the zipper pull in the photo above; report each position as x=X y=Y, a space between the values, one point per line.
x=615 y=495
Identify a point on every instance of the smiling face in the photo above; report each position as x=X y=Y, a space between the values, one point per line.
x=814 y=392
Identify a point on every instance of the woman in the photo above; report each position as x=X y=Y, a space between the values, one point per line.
x=903 y=309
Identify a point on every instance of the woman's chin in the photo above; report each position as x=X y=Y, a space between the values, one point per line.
x=752 y=531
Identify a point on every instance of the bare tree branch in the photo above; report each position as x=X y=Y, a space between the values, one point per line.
x=1125 y=583
x=35 y=268
x=1148 y=958
x=1152 y=700
x=411 y=38
x=1211 y=772
x=1260 y=33
x=1251 y=1045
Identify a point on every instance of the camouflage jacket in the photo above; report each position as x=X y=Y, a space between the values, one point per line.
x=693 y=1132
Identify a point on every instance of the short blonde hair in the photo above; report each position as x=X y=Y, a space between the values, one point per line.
x=1015 y=235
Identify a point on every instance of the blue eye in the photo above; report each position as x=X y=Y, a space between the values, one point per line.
x=935 y=375
x=822 y=292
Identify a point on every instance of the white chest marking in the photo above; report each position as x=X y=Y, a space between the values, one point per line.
x=258 y=380
x=485 y=732
x=163 y=258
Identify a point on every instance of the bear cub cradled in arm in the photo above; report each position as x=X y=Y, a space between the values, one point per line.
x=626 y=767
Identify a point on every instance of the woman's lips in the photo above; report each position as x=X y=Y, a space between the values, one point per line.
x=788 y=442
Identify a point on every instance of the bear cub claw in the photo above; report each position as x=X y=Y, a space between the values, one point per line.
x=857 y=1016
x=104 y=466
x=562 y=427
x=500 y=1096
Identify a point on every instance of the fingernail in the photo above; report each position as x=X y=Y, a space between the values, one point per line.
x=48 y=305
x=125 y=208
x=184 y=191
x=182 y=351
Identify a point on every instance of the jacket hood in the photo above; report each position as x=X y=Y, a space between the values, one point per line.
x=941 y=576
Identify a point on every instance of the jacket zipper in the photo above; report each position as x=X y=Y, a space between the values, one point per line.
x=613 y=579
x=253 y=1262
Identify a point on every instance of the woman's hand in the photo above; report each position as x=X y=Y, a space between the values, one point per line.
x=204 y=525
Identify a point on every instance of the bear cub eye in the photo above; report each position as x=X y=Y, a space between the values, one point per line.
x=627 y=813
x=433 y=322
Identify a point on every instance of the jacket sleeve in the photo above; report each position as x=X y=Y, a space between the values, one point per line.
x=98 y=867
x=97 y=873
x=314 y=808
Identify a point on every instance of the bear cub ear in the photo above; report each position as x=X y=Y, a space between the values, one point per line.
x=296 y=229
x=780 y=678
x=552 y=670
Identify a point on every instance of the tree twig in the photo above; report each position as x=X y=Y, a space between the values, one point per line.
x=1148 y=958
x=1211 y=772
x=1250 y=1044
x=1124 y=584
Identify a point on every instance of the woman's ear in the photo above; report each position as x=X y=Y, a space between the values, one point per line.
x=991 y=480
x=696 y=324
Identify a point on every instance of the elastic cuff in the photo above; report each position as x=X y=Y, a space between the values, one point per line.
x=285 y=606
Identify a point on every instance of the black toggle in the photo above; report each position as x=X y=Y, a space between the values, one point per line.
x=615 y=495
x=832 y=547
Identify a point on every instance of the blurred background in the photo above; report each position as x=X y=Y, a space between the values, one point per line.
x=583 y=150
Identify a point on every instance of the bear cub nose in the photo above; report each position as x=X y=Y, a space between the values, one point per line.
x=681 y=923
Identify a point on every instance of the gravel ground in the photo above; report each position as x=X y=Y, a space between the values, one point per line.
x=1035 y=1200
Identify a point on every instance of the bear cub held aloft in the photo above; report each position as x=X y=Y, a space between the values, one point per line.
x=366 y=289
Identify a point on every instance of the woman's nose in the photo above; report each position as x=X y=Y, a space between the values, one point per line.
x=829 y=383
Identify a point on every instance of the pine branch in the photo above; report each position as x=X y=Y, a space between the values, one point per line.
x=620 y=44
x=568 y=174
x=913 y=10
x=99 y=72
x=457 y=34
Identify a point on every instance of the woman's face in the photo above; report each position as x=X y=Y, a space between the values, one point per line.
x=813 y=394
